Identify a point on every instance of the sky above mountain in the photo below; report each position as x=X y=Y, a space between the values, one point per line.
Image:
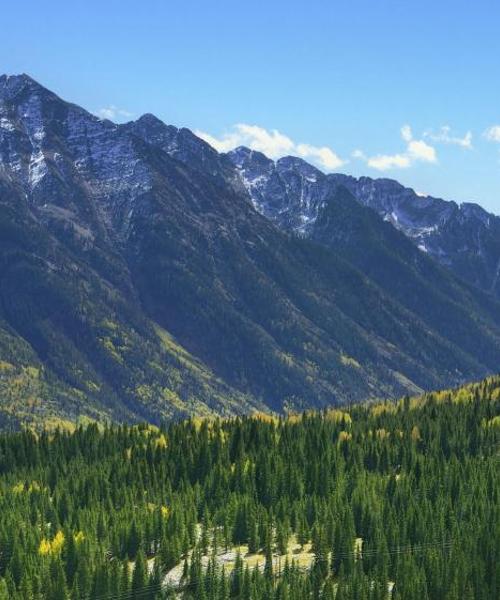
x=407 y=90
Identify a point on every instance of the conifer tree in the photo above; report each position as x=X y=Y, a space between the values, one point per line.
x=139 y=575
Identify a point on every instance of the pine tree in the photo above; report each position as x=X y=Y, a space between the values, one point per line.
x=139 y=575
x=125 y=578
x=70 y=555
x=268 y=565
x=282 y=536
x=134 y=541
x=58 y=588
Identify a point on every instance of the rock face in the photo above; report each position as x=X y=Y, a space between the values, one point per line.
x=463 y=238
x=137 y=280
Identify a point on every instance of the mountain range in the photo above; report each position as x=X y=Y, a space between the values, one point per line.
x=464 y=238
x=144 y=275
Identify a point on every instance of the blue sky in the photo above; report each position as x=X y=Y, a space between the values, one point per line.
x=402 y=89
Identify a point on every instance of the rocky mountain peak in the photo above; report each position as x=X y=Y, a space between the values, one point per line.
x=243 y=157
x=183 y=145
x=12 y=85
x=153 y=130
x=471 y=210
x=300 y=167
x=149 y=120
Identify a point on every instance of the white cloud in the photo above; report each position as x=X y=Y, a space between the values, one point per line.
x=492 y=134
x=359 y=154
x=416 y=151
x=406 y=133
x=384 y=162
x=420 y=150
x=323 y=156
x=112 y=112
x=227 y=142
x=444 y=136
x=273 y=144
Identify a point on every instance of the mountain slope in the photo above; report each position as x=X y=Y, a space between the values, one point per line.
x=137 y=281
x=67 y=297
x=77 y=344
x=463 y=238
x=299 y=198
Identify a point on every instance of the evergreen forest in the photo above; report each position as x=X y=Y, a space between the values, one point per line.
x=394 y=500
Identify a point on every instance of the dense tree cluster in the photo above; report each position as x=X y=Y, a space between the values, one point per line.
x=396 y=500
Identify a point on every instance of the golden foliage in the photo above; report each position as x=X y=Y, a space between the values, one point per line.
x=382 y=408
x=349 y=361
x=382 y=434
x=265 y=417
x=337 y=416
x=345 y=436
x=79 y=537
x=108 y=344
x=161 y=442
x=293 y=418
x=52 y=547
